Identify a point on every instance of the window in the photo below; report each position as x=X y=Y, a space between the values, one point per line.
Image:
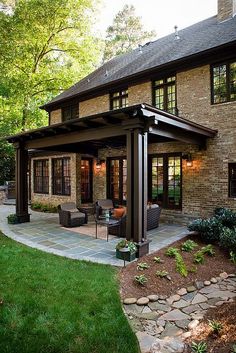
x=117 y=179
x=119 y=99
x=232 y=180
x=224 y=82
x=61 y=176
x=70 y=112
x=164 y=94
x=86 y=180
x=41 y=176
x=165 y=180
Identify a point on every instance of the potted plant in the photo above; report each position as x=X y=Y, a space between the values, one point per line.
x=126 y=250
x=12 y=219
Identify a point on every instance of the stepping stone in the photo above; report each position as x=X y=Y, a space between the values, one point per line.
x=153 y=297
x=204 y=306
x=162 y=297
x=188 y=296
x=190 y=309
x=180 y=304
x=173 y=298
x=148 y=316
x=207 y=283
x=158 y=306
x=213 y=301
x=197 y=316
x=182 y=291
x=211 y=288
x=171 y=330
x=169 y=345
x=193 y=324
x=174 y=315
x=129 y=301
x=150 y=327
x=145 y=341
x=221 y=294
x=182 y=323
x=161 y=322
x=232 y=275
x=199 y=298
x=135 y=324
x=213 y=280
x=146 y=310
x=186 y=335
x=199 y=284
x=142 y=301
x=191 y=289
x=133 y=309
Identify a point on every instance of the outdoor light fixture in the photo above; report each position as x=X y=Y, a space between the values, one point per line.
x=188 y=158
x=99 y=163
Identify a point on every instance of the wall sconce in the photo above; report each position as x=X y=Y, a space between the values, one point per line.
x=189 y=159
x=99 y=163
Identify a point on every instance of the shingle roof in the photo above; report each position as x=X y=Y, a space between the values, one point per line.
x=202 y=36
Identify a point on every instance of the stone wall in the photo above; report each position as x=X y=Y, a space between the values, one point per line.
x=2 y=195
x=94 y=105
x=55 y=116
x=226 y=9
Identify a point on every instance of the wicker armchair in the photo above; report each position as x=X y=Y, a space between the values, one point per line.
x=153 y=217
x=70 y=215
x=103 y=205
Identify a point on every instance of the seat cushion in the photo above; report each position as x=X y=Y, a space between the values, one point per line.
x=68 y=206
x=77 y=215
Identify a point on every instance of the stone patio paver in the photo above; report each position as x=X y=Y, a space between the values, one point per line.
x=45 y=233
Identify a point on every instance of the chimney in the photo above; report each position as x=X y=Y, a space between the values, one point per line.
x=226 y=9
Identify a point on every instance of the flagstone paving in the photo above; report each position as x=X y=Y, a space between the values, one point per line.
x=162 y=325
x=45 y=233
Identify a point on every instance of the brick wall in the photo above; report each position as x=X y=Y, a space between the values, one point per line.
x=94 y=105
x=141 y=93
x=55 y=117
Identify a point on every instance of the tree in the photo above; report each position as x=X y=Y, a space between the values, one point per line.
x=126 y=33
x=45 y=46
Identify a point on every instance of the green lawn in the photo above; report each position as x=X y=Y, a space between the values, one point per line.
x=52 y=304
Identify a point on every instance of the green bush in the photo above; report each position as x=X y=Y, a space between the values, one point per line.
x=226 y=216
x=228 y=238
x=208 y=229
x=43 y=207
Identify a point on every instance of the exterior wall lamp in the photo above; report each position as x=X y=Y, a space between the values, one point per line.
x=99 y=163
x=189 y=159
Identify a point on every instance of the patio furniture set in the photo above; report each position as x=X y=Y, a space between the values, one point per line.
x=105 y=214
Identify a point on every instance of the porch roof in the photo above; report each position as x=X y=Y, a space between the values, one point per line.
x=111 y=124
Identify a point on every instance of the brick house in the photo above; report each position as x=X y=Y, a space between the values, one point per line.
x=157 y=124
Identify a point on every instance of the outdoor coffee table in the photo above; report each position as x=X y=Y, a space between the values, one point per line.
x=107 y=223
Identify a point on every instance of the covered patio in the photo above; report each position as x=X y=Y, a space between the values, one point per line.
x=134 y=127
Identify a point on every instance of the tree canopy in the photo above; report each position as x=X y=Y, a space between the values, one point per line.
x=126 y=33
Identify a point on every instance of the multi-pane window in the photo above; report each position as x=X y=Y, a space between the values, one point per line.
x=164 y=94
x=117 y=179
x=70 y=112
x=119 y=99
x=86 y=183
x=224 y=82
x=61 y=176
x=232 y=180
x=165 y=180
x=41 y=176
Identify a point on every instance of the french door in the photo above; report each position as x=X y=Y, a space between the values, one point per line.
x=86 y=183
x=117 y=179
x=165 y=180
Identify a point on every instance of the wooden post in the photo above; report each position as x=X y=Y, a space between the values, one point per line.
x=137 y=186
x=21 y=184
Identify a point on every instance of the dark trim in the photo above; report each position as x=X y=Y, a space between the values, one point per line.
x=165 y=157
x=112 y=99
x=212 y=66
x=43 y=161
x=108 y=190
x=73 y=108
x=63 y=193
x=207 y=56
x=165 y=86
x=90 y=159
x=230 y=167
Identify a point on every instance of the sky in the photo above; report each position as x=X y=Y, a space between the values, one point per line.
x=160 y=15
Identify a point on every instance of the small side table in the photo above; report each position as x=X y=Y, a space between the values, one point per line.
x=89 y=209
x=107 y=223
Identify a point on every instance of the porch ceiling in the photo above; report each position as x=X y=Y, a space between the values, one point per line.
x=109 y=129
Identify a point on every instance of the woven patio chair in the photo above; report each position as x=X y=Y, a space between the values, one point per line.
x=71 y=216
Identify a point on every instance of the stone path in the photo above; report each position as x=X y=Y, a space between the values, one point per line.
x=163 y=323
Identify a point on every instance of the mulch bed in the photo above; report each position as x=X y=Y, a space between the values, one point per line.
x=211 y=267
x=223 y=343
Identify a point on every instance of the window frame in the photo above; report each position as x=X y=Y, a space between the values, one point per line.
x=230 y=167
x=227 y=63
x=43 y=161
x=70 y=107
x=108 y=163
x=63 y=193
x=165 y=157
x=164 y=85
x=112 y=99
x=90 y=176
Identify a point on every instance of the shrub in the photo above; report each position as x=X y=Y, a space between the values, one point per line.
x=208 y=229
x=216 y=326
x=171 y=252
x=228 y=238
x=142 y=266
x=162 y=273
x=188 y=245
x=200 y=347
x=233 y=257
x=127 y=244
x=12 y=219
x=199 y=257
x=226 y=216
x=141 y=279
x=43 y=207
x=158 y=260
x=208 y=250
x=205 y=250
x=180 y=265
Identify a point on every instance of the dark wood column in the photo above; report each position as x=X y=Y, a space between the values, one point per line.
x=21 y=183
x=137 y=185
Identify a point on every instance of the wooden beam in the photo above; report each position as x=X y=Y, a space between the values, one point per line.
x=177 y=134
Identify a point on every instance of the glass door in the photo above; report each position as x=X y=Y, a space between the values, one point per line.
x=86 y=184
x=117 y=179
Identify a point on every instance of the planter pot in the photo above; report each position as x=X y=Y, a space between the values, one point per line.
x=125 y=255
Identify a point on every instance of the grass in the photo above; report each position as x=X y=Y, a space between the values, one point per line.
x=57 y=305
